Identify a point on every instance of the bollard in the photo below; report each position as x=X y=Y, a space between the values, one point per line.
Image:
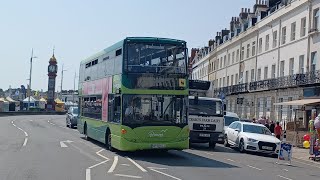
x=284 y=136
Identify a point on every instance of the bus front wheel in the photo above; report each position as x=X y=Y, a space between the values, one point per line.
x=108 y=141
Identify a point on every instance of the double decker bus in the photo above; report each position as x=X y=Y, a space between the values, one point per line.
x=134 y=95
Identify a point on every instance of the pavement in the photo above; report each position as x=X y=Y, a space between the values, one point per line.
x=43 y=148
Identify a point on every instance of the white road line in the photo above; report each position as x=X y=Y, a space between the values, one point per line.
x=25 y=134
x=128 y=176
x=165 y=174
x=284 y=177
x=88 y=174
x=157 y=168
x=93 y=166
x=114 y=164
x=254 y=167
x=104 y=157
x=30 y=120
x=136 y=164
x=285 y=170
x=230 y=160
x=25 y=141
x=125 y=164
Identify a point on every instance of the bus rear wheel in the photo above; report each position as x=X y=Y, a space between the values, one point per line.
x=108 y=141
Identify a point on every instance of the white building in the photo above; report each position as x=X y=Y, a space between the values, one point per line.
x=269 y=55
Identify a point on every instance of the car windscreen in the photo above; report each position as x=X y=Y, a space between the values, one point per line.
x=256 y=129
x=75 y=111
x=205 y=107
x=228 y=120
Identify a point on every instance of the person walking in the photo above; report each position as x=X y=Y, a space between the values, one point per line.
x=272 y=126
x=278 y=130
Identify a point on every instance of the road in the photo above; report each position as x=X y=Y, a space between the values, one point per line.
x=42 y=148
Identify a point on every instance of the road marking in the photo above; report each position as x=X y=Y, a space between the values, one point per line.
x=231 y=160
x=62 y=143
x=125 y=164
x=285 y=170
x=114 y=164
x=157 y=168
x=25 y=141
x=209 y=153
x=136 y=164
x=93 y=166
x=25 y=134
x=284 y=177
x=88 y=174
x=128 y=176
x=104 y=157
x=165 y=174
x=254 y=167
x=30 y=120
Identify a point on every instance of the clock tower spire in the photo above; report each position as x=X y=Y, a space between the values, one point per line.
x=52 y=74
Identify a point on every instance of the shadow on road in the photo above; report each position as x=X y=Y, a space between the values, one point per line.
x=218 y=148
x=176 y=158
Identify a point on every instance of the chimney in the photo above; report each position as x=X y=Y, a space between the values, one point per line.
x=245 y=10
x=242 y=9
x=211 y=42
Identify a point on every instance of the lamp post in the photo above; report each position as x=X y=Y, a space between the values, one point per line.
x=61 y=81
x=74 y=85
x=30 y=78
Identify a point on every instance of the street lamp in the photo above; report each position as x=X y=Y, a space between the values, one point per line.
x=74 y=85
x=30 y=76
x=62 y=81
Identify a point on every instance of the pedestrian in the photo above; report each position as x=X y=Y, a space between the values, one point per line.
x=317 y=125
x=267 y=125
x=278 y=130
x=254 y=120
x=272 y=126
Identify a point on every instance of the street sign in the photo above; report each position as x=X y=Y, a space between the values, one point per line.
x=285 y=153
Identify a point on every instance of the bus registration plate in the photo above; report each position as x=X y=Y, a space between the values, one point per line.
x=158 y=146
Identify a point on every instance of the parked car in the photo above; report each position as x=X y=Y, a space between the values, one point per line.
x=251 y=137
x=229 y=118
x=72 y=117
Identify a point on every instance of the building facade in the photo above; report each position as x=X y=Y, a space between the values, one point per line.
x=268 y=55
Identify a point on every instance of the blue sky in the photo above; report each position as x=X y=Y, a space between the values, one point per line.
x=79 y=28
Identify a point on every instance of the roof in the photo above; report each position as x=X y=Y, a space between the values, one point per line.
x=32 y=99
x=58 y=101
x=205 y=98
x=10 y=99
x=250 y=123
x=298 y=102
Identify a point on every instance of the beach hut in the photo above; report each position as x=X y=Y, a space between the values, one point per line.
x=4 y=105
x=42 y=103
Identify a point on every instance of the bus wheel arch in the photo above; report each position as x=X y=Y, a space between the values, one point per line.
x=108 y=139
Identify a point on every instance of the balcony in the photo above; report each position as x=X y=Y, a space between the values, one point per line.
x=291 y=81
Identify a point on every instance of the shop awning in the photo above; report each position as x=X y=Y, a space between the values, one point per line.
x=298 y=102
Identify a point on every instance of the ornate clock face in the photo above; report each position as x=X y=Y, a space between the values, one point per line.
x=52 y=68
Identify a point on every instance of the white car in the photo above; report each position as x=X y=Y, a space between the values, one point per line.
x=251 y=137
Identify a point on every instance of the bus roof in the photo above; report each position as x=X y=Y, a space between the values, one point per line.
x=128 y=39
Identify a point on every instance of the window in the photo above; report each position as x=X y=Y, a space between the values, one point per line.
x=221 y=63
x=114 y=108
x=265 y=72
x=267 y=42
x=301 y=64
x=227 y=80
x=284 y=35
x=242 y=53
x=231 y=80
x=273 y=71
x=291 y=66
x=233 y=54
x=247 y=77
x=229 y=59
x=260 y=45
x=88 y=65
x=220 y=82
x=293 y=31
x=224 y=81
x=281 y=68
x=236 y=80
x=252 y=75
x=275 y=39
x=253 y=48
x=94 y=62
x=316 y=19
x=303 y=26
x=118 y=52
x=259 y=74
x=238 y=53
x=248 y=50
x=106 y=58
x=313 y=61
x=92 y=107
x=224 y=60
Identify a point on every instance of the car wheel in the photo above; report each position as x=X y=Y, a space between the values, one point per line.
x=212 y=145
x=241 y=146
x=226 y=143
x=71 y=126
x=108 y=143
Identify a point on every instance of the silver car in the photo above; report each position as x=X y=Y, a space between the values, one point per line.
x=72 y=117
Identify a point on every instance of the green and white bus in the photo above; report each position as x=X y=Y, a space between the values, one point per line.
x=134 y=95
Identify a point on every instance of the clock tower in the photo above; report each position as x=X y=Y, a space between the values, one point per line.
x=52 y=74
